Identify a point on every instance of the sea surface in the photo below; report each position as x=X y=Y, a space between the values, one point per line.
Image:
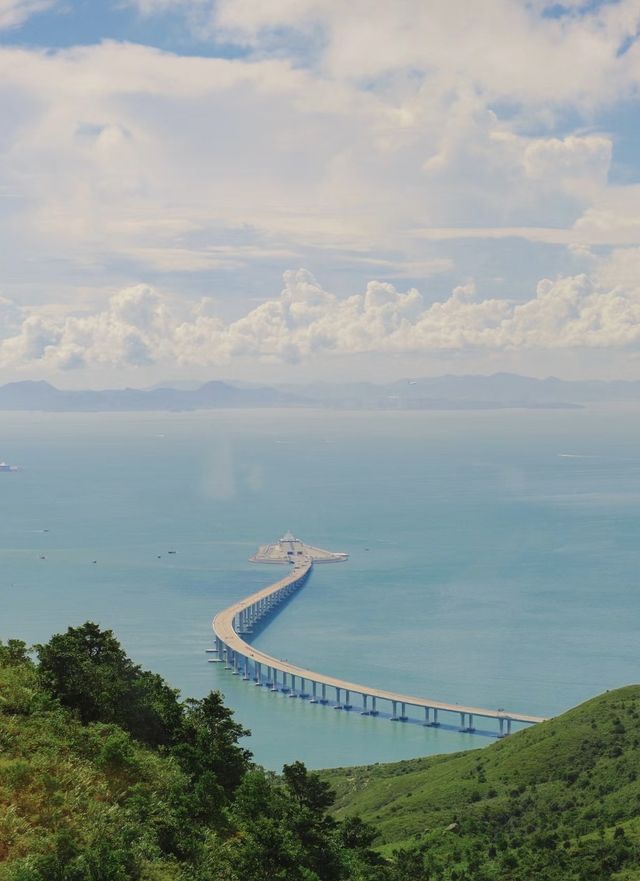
x=494 y=555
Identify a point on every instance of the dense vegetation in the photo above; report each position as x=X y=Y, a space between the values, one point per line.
x=558 y=801
x=105 y=775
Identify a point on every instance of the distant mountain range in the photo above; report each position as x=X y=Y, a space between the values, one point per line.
x=210 y=396
x=499 y=391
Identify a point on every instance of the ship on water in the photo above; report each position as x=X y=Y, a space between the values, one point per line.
x=290 y=549
x=4 y=466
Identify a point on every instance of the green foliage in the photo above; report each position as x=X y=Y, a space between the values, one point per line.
x=558 y=801
x=106 y=776
x=88 y=671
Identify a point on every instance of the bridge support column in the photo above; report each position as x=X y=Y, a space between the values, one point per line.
x=246 y=670
x=338 y=705
x=274 y=684
x=501 y=724
x=303 y=693
x=374 y=702
x=347 y=698
x=471 y=728
x=227 y=658
x=394 y=717
x=462 y=728
x=403 y=713
x=508 y=726
x=436 y=724
x=314 y=699
x=236 y=664
x=258 y=673
x=292 y=693
x=426 y=717
x=285 y=687
x=365 y=711
x=323 y=699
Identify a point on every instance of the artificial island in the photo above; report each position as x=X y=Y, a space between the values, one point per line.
x=240 y=620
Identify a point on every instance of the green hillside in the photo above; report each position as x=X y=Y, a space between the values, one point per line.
x=106 y=775
x=560 y=800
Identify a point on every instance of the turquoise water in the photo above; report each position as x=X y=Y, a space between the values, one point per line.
x=494 y=555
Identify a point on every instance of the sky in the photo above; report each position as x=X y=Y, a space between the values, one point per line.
x=283 y=190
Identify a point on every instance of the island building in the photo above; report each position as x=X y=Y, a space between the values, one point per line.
x=290 y=549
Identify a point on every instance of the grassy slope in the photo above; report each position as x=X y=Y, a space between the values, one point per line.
x=57 y=776
x=573 y=777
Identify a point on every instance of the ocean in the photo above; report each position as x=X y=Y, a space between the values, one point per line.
x=494 y=555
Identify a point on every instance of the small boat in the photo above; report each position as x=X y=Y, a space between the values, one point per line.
x=4 y=466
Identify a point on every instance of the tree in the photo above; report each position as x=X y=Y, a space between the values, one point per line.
x=87 y=669
x=308 y=789
x=209 y=743
x=14 y=653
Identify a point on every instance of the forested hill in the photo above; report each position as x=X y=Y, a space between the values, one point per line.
x=105 y=775
x=557 y=801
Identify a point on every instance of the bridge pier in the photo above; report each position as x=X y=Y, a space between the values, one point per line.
x=237 y=656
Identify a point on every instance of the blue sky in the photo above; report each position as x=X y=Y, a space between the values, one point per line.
x=309 y=189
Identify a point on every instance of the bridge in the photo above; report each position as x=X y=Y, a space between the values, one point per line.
x=243 y=659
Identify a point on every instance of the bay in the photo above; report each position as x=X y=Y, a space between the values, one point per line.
x=493 y=554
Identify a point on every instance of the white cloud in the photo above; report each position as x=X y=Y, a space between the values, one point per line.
x=363 y=136
x=123 y=152
x=503 y=48
x=140 y=326
x=13 y=13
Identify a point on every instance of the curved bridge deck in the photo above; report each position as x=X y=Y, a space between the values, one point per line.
x=264 y=670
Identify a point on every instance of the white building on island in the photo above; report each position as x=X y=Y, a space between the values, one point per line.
x=290 y=549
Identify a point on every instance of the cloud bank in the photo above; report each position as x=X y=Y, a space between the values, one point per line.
x=141 y=326
x=399 y=140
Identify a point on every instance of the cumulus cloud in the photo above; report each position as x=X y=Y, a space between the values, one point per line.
x=140 y=325
x=345 y=135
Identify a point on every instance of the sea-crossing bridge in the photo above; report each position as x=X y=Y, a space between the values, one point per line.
x=243 y=617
